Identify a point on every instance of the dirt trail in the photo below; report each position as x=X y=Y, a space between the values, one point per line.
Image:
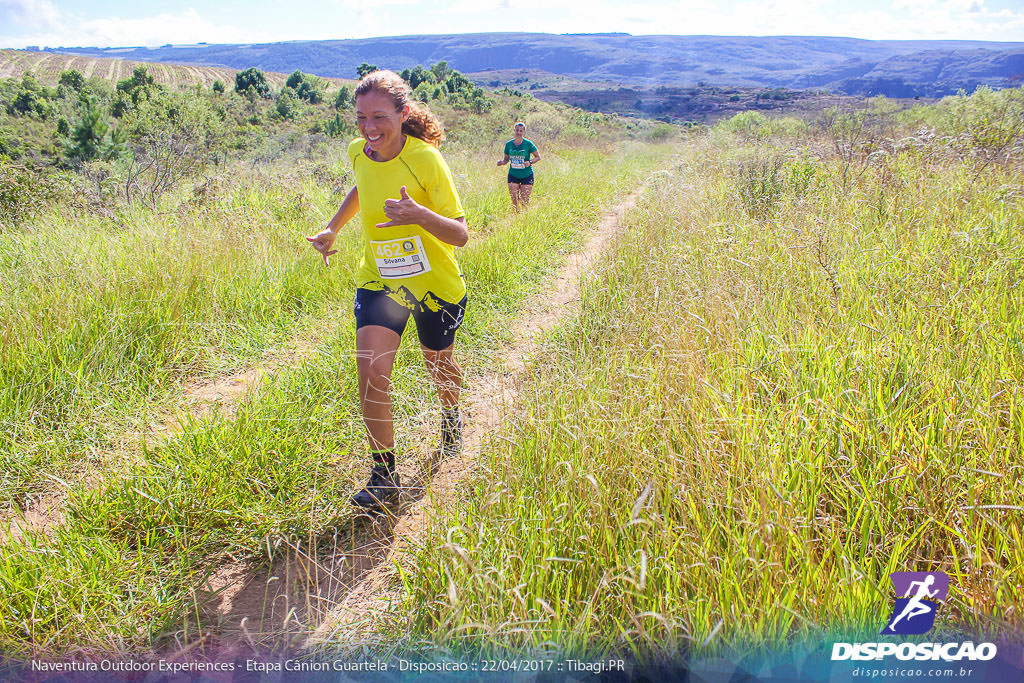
x=364 y=591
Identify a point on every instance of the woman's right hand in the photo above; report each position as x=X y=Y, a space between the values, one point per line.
x=322 y=242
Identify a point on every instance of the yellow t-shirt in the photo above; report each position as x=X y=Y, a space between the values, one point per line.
x=408 y=262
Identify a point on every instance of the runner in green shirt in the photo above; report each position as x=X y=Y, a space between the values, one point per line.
x=520 y=154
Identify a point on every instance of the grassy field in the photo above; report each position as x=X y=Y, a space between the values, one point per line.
x=47 y=67
x=790 y=378
x=798 y=371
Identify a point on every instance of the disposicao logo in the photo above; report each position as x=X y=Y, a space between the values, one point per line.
x=918 y=597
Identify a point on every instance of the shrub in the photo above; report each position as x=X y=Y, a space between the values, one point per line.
x=760 y=184
x=344 y=98
x=91 y=137
x=287 y=104
x=24 y=192
x=306 y=87
x=339 y=127
x=985 y=124
x=252 y=78
x=172 y=137
x=752 y=125
x=366 y=68
x=660 y=132
x=71 y=78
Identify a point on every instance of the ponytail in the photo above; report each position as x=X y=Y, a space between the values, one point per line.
x=423 y=124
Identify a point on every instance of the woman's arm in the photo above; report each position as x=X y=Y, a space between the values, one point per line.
x=503 y=161
x=324 y=240
x=535 y=157
x=406 y=211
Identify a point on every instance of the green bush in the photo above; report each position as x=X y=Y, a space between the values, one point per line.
x=985 y=124
x=172 y=137
x=252 y=78
x=660 y=132
x=339 y=127
x=344 y=98
x=752 y=125
x=306 y=87
x=71 y=78
x=91 y=136
x=366 y=68
x=287 y=104
x=133 y=90
x=24 y=192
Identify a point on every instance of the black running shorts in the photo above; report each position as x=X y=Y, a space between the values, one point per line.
x=528 y=180
x=436 y=329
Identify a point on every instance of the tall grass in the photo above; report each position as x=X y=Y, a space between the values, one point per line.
x=104 y=317
x=754 y=419
x=284 y=465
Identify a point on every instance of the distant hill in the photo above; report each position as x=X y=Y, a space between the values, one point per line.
x=843 y=65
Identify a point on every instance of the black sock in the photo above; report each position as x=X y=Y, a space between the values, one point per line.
x=450 y=417
x=385 y=459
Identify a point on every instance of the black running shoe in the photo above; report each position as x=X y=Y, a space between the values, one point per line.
x=382 y=490
x=451 y=432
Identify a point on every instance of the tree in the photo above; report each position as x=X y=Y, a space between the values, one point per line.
x=171 y=137
x=423 y=92
x=456 y=82
x=294 y=80
x=90 y=137
x=71 y=78
x=441 y=71
x=140 y=78
x=252 y=78
x=139 y=87
x=312 y=90
x=365 y=68
x=344 y=98
x=417 y=75
x=31 y=98
x=287 y=104
x=218 y=86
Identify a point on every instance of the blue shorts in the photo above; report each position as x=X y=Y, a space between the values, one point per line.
x=436 y=329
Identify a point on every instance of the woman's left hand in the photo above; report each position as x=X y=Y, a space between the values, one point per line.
x=404 y=211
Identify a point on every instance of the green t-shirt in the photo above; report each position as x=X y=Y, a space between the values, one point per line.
x=406 y=261
x=518 y=156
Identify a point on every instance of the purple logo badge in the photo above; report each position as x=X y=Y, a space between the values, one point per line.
x=918 y=595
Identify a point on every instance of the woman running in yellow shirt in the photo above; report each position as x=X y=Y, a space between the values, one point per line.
x=412 y=220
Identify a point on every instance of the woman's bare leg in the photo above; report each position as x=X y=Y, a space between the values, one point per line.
x=375 y=357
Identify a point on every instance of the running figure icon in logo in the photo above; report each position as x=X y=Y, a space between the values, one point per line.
x=920 y=594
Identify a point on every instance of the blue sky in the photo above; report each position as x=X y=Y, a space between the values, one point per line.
x=143 y=22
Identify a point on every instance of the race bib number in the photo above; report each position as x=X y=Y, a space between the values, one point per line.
x=517 y=162
x=400 y=258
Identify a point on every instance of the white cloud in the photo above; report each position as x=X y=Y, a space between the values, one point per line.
x=187 y=27
x=965 y=6
x=54 y=29
x=32 y=13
